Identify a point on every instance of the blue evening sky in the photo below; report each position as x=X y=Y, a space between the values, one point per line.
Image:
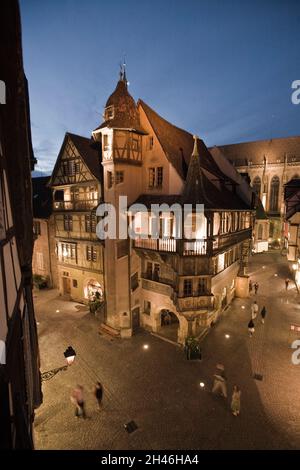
x=219 y=68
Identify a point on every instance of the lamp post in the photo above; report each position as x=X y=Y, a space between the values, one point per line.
x=69 y=354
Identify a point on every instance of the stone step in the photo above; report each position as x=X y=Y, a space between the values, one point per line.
x=109 y=330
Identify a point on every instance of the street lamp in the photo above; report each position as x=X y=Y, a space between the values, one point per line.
x=69 y=354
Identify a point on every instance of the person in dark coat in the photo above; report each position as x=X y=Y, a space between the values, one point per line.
x=98 y=394
x=251 y=328
x=263 y=314
x=256 y=286
x=250 y=286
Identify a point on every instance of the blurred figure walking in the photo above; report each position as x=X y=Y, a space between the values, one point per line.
x=263 y=314
x=98 y=392
x=236 y=401
x=78 y=400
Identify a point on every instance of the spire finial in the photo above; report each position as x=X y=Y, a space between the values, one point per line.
x=195 y=149
x=124 y=71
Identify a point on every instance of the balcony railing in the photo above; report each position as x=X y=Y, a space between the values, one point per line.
x=157 y=287
x=194 y=247
x=172 y=245
x=79 y=205
x=195 y=303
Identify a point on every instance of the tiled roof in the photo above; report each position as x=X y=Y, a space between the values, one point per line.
x=178 y=143
x=41 y=197
x=274 y=150
x=125 y=113
x=199 y=189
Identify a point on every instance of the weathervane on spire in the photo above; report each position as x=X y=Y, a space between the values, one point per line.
x=123 y=72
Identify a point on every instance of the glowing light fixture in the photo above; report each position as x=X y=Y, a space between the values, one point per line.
x=146 y=346
x=227 y=336
x=202 y=384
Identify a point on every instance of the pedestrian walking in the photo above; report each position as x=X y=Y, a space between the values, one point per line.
x=254 y=310
x=250 y=286
x=220 y=381
x=263 y=314
x=251 y=328
x=236 y=401
x=287 y=281
x=98 y=392
x=256 y=286
x=78 y=400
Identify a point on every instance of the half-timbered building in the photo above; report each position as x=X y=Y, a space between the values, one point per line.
x=76 y=183
x=20 y=385
x=175 y=287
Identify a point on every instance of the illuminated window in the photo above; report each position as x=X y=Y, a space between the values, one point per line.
x=91 y=253
x=36 y=227
x=90 y=223
x=159 y=176
x=156 y=177
x=151 y=177
x=221 y=262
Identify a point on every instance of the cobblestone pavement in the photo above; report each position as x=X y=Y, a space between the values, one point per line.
x=159 y=389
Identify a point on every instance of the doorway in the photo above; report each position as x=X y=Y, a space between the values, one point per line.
x=66 y=285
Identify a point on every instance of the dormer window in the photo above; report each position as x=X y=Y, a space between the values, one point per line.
x=109 y=113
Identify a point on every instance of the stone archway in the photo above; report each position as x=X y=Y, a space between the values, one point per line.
x=177 y=328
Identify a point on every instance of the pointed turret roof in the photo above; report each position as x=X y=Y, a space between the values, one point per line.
x=125 y=113
x=199 y=189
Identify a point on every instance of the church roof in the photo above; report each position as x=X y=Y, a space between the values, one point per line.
x=274 y=150
x=178 y=143
x=125 y=112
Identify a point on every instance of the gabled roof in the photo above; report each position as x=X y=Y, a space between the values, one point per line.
x=274 y=150
x=41 y=197
x=178 y=144
x=87 y=151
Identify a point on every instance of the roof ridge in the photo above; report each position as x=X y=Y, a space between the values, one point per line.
x=163 y=119
x=255 y=141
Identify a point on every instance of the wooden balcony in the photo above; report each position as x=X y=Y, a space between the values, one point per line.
x=78 y=205
x=194 y=247
x=172 y=245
